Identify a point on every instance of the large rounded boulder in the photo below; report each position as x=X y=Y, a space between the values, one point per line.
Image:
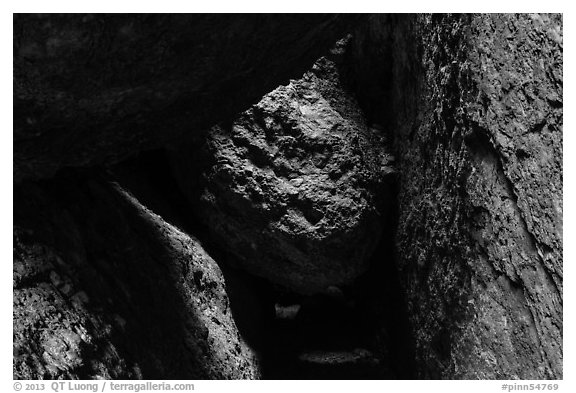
x=295 y=186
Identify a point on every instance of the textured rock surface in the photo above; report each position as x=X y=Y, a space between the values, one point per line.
x=55 y=333
x=96 y=88
x=294 y=184
x=104 y=288
x=478 y=109
x=296 y=189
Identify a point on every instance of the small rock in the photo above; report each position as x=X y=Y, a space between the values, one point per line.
x=287 y=312
x=355 y=356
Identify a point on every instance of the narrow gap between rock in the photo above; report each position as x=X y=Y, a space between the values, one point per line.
x=357 y=332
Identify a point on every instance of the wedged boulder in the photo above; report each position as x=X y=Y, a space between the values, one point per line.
x=105 y=288
x=297 y=186
x=97 y=88
x=478 y=117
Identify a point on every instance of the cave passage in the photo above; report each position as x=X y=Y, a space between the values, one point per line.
x=356 y=332
x=359 y=331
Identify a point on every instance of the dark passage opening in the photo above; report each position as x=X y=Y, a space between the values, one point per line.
x=360 y=331
x=355 y=332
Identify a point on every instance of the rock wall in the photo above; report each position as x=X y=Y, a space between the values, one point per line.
x=104 y=288
x=477 y=104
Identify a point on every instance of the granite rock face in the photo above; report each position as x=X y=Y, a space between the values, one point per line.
x=478 y=128
x=297 y=185
x=97 y=88
x=104 y=288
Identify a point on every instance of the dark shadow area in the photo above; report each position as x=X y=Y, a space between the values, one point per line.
x=385 y=304
x=367 y=69
x=355 y=332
